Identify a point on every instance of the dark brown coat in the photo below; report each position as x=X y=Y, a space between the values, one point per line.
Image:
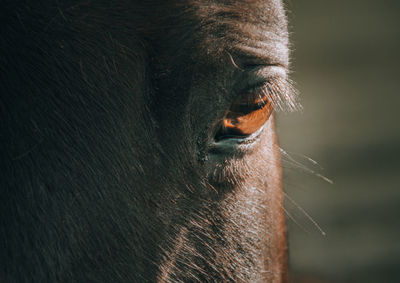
x=110 y=166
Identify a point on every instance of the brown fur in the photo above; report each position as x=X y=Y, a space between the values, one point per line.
x=108 y=115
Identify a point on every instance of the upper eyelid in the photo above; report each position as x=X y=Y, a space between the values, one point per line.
x=279 y=91
x=257 y=75
x=250 y=66
x=271 y=81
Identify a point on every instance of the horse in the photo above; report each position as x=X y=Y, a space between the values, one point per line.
x=138 y=140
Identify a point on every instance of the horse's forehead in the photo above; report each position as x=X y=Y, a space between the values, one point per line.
x=240 y=9
x=253 y=27
x=250 y=10
x=249 y=26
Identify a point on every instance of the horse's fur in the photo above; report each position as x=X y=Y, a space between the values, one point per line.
x=107 y=111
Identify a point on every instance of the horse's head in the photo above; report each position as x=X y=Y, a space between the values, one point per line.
x=138 y=141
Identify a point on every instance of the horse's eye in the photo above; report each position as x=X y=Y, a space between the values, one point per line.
x=246 y=115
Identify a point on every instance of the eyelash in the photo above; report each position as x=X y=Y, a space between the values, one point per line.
x=281 y=92
x=252 y=109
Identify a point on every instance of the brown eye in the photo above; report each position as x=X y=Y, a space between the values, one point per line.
x=245 y=116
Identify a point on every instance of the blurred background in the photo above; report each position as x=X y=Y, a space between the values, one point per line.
x=346 y=60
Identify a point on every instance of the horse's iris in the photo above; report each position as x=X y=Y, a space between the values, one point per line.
x=245 y=116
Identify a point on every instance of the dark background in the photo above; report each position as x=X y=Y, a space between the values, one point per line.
x=346 y=57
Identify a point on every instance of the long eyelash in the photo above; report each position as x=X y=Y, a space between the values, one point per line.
x=282 y=93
